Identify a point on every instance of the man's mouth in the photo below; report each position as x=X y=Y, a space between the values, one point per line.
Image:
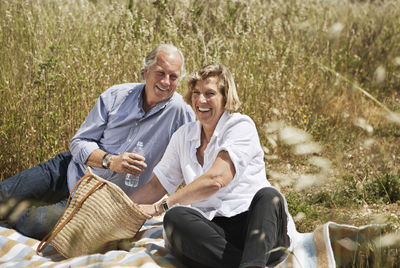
x=162 y=89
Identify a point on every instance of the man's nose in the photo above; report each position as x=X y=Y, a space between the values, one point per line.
x=166 y=80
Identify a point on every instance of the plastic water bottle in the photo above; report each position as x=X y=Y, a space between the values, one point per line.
x=131 y=180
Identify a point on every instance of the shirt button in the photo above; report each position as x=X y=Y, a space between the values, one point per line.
x=129 y=140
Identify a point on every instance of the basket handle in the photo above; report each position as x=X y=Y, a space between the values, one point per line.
x=50 y=236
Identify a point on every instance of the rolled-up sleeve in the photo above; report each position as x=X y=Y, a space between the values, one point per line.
x=89 y=134
x=240 y=141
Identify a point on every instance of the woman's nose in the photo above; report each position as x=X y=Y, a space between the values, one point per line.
x=202 y=98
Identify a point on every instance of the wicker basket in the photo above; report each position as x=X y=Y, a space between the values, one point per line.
x=98 y=216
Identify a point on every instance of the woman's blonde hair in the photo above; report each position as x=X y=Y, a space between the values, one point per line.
x=226 y=84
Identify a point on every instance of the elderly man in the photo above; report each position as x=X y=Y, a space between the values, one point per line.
x=123 y=115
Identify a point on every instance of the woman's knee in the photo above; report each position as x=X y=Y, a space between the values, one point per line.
x=177 y=219
x=176 y=227
x=268 y=194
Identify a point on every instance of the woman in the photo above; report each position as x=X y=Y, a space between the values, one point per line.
x=227 y=214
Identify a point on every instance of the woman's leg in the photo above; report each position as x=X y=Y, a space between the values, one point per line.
x=266 y=229
x=198 y=242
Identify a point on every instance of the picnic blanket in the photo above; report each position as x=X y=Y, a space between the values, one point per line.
x=147 y=251
x=330 y=245
x=334 y=245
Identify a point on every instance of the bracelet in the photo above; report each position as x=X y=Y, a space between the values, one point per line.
x=156 y=209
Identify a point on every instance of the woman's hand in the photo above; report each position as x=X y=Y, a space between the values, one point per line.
x=152 y=209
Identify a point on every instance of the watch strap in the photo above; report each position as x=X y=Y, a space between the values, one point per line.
x=165 y=205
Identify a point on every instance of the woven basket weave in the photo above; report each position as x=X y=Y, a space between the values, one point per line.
x=98 y=216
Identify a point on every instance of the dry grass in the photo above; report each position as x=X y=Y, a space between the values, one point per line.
x=328 y=68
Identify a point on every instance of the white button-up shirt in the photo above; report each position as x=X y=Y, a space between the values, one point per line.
x=236 y=134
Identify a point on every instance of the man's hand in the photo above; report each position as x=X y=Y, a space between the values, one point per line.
x=123 y=163
x=128 y=163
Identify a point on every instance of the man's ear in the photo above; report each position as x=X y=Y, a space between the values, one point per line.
x=144 y=73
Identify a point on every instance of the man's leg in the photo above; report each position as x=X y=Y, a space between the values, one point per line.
x=37 y=222
x=267 y=229
x=198 y=242
x=43 y=184
x=46 y=182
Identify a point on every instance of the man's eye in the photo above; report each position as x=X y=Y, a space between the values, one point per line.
x=196 y=92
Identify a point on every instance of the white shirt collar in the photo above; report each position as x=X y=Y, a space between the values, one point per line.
x=195 y=133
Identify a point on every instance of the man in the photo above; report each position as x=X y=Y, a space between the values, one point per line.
x=122 y=116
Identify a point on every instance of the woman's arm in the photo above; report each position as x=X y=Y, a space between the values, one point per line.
x=220 y=175
x=150 y=193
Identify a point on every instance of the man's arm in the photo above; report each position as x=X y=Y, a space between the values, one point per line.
x=96 y=158
x=84 y=144
x=123 y=163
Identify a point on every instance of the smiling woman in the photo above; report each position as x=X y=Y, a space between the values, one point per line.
x=227 y=214
x=226 y=85
x=208 y=104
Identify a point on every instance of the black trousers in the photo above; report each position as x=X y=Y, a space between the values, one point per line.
x=247 y=239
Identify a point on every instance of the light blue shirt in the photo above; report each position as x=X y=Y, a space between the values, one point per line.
x=117 y=122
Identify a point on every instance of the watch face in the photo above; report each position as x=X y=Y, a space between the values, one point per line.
x=105 y=161
x=165 y=206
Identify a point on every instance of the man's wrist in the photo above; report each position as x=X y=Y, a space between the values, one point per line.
x=106 y=161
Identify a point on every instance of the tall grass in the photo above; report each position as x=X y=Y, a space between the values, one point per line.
x=329 y=68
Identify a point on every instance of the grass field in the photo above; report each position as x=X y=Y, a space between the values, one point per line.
x=321 y=80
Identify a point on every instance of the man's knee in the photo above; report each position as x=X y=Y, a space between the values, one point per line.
x=65 y=157
x=37 y=222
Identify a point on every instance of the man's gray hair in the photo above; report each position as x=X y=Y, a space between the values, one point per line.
x=150 y=59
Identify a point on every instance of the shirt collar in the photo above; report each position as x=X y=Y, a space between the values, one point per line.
x=156 y=108
x=195 y=132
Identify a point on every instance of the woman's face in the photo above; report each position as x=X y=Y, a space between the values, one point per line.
x=208 y=102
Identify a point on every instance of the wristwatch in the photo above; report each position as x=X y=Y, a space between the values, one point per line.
x=106 y=161
x=165 y=205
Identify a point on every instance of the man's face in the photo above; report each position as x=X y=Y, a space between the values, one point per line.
x=162 y=78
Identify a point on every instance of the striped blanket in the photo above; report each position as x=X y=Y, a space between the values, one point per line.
x=147 y=251
x=334 y=245
x=330 y=245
